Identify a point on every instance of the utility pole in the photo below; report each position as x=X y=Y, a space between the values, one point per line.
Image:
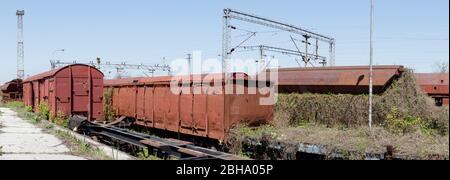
x=189 y=59
x=20 y=46
x=371 y=62
x=261 y=59
x=98 y=63
x=306 y=48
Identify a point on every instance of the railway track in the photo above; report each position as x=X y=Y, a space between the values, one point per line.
x=182 y=150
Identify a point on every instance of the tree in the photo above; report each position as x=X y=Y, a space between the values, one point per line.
x=441 y=67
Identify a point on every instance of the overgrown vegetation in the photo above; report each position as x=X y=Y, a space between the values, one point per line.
x=60 y=119
x=43 y=110
x=402 y=102
x=15 y=104
x=403 y=116
x=108 y=110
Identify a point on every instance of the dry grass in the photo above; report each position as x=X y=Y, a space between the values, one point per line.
x=360 y=140
x=364 y=140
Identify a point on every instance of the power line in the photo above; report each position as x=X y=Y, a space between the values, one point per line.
x=229 y=15
x=119 y=66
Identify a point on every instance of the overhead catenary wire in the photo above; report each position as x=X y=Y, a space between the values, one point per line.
x=277 y=27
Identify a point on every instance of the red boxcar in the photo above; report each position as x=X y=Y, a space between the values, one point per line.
x=435 y=85
x=210 y=113
x=73 y=90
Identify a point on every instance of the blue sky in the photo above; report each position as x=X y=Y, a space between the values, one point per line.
x=413 y=33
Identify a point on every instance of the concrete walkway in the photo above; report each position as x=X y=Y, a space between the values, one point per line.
x=23 y=141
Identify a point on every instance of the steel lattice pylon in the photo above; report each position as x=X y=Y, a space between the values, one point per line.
x=20 y=46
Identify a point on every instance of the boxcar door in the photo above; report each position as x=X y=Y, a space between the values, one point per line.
x=80 y=95
x=63 y=99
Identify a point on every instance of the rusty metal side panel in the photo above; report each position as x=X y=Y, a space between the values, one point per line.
x=436 y=89
x=149 y=106
x=127 y=102
x=216 y=102
x=186 y=109
x=161 y=106
x=27 y=94
x=434 y=83
x=172 y=119
x=36 y=95
x=46 y=91
x=116 y=100
x=24 y=96
x=199 y=112
x=140 y=103
x=445 y=101
x=353 y=80
x=42 y=92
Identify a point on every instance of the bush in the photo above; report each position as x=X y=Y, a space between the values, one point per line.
x=328 y=109
x=108 y=110
x=402 y=124
x=60 y=119
x=29 y=108
x=43 y=110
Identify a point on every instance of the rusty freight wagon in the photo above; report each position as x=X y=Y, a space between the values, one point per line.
x=207 y=113
x=12 y=90
x=435 y=85
x=72 y=90
x=336 y=80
